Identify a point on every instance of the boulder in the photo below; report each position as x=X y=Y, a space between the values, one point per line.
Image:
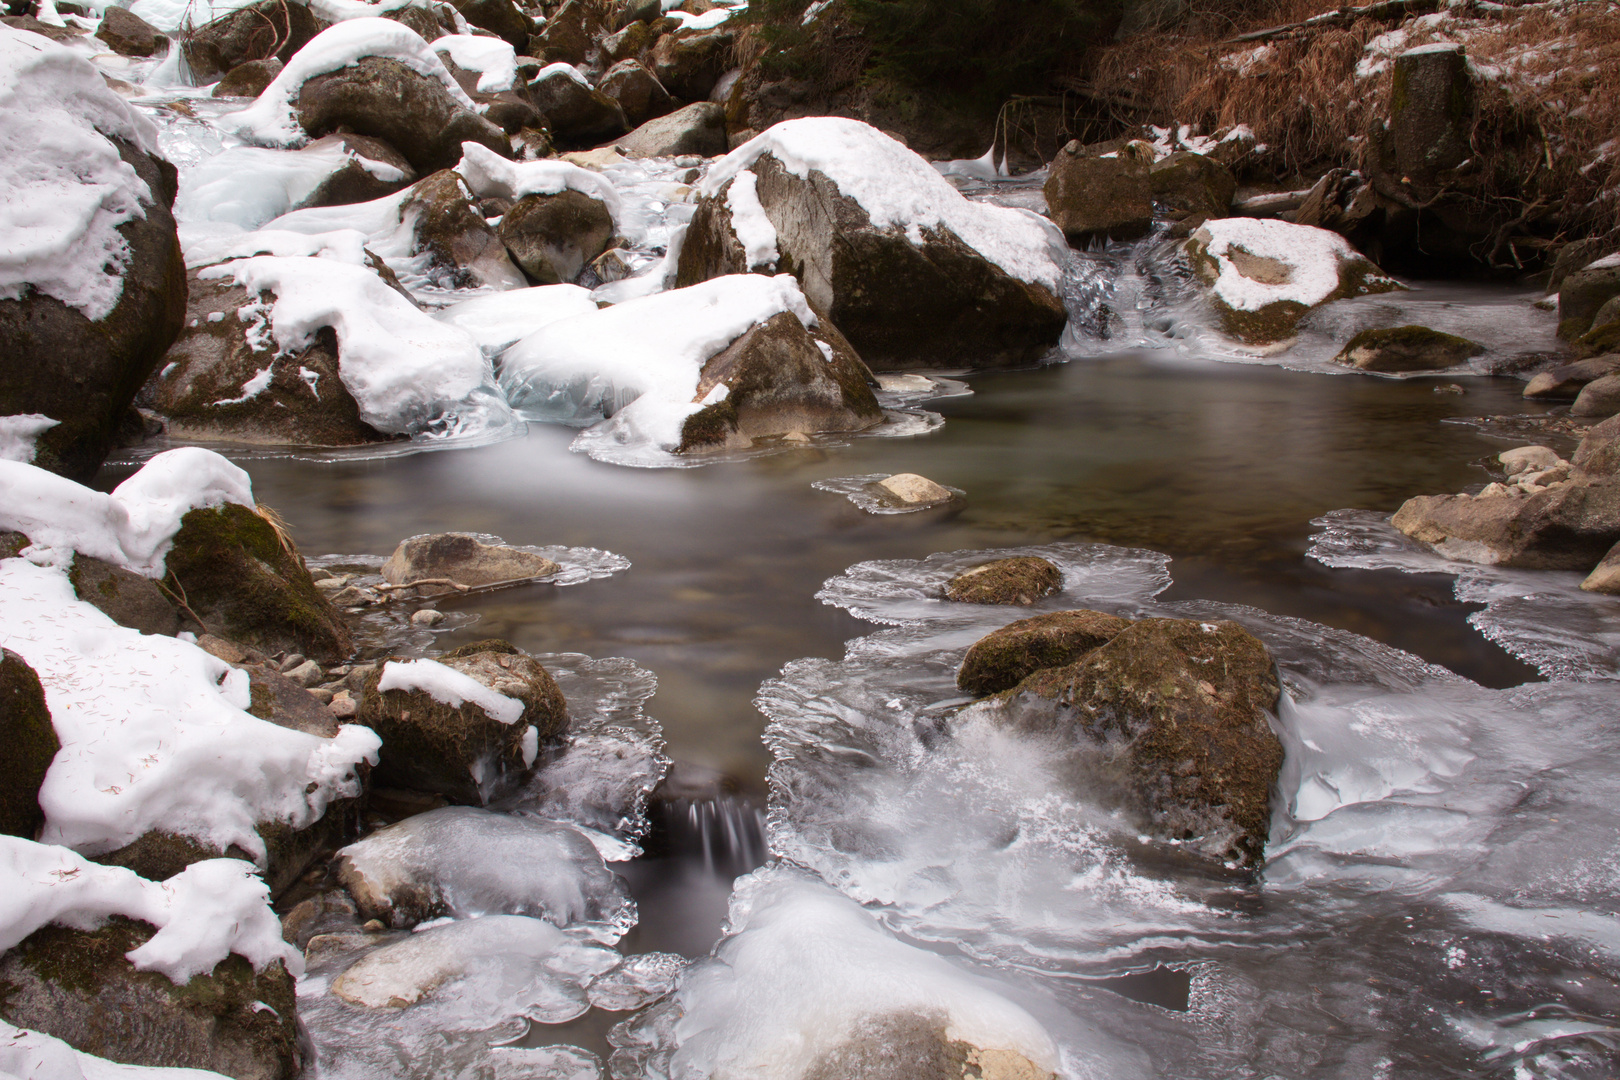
x=247 y=80
x=1566 y=527
x=642 y=11
x=778 y=380
x=698 y=129
x=463 y=559
x=1006 y=657
x=1599 y=399
x=569 y=36
x=1169 y=722
x=1090 y=194
x=1192 y=184
x=423 y=21
x=1584 y=293
x=915 y=1046
x=1342 y=201
x=1566 y=381
x=688 y=64
x=464 y=251
x=639 y=93
x=1599 y=451
x=241 y=575
x=500 y=17
x=358 y=180
x=1604 y=337
x=77 y=986
x=554 y=237
x=1523 y=459
x=629 y=42
x=27 y=744
x=908 y=490
x=460 y=751
x=1020 y=580
x=1431 y=114
x=573 y=110
x=127 y=34
x=256 y=32
x=125 y=597
x=1407 y=348
x=387 y=100
x=1605 y=576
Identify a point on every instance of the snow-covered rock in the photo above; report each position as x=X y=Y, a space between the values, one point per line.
x=501 y=319
x=577 y=113
x=883 y=245
x=248 y=186
x=33 y=1053
x=92 y=288
x=1264 y=275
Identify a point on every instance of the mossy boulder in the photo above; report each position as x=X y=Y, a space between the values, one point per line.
x=554 y=237
x=1168 y=721
x=460 y=751
x=78 y=986
x=1006 y=657
x=1020 y=580
x=1192 y=184
x=27 y=744
x=1407 y=348
x=1584 y=293
x=125 y=597
x=246 y=581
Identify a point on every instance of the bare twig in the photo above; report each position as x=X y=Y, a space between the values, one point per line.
x=437 y=581
x=181 y=600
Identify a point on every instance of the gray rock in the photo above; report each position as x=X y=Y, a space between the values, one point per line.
x=698 y=129
x=576 y=113
x=464 y=559
x=638 y=91
x=1089 y=194
x=127 y=34
x=689 y=63
x=28 y=743
x=1599 y=398
x=1566 y=381
x=1583 y=295
x=1193 y=184
x=1432 y=106
x=554 y=237
x=500 y=17
x=1522 y=459
x=306 y=674
x=1407 y=348
x=126 y=598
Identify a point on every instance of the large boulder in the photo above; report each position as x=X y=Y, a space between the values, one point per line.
x=1584 y=293
x=632 y=41
x=1599 y=399
x=554 y=237
x=689 y=63
x=463 y=559
x=907 y=289
x=1264 y=275
x=776 y=381
x=439 y=734
x=1169 y=722
x=1569 y=526
x=385 y=99
x=569 y=35
x=127 y=34
x=1599 y=451
x=1006 y=657
x=1565 y=381
x=270 y=28
x=1402 y=349
x=500 y=17
x=463 y=250
x=1021 y=580
x=78 y=986
x=698 y=129
x=1192 y=184
x=1092 y=193
x=575 y=112
x=639 y=93
x=27 y=744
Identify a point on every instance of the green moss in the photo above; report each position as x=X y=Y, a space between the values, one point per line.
x=1600 y=340
x=1008 y=656
x=488 y=645
x=1019 y=580
x=711 y=426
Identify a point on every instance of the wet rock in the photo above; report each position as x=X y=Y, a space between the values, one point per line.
x=460 y=751
x=1599 y=451
x=1568 y=527
x=27 y=744
x=1605 y=576
x=777 y=380
x=369 y=173
x=1092 y=194
x=1431 y=114
x=1566 y=381
x=127 y=34
x=247 y=80
x=698 y=130
x=1006 y=657
x=386 y=100
x=689 y=63
x=464 y=559
x=911 y=1046
x=256 y=32
x=1193 y=184
x=77 y=986
x=1407 y=348
x=1019 y=580
x=500 y=17
x=463 y=250
x=638 y=92
x=126 y=598
x=935 y=304
x=554 y=237
x=1599 y=398
x=244 y=578
x=574 y=111
x=1584 y=293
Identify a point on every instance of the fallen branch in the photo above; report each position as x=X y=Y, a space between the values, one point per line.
x=1385 y=11
x=441 y=581
x=181 y=600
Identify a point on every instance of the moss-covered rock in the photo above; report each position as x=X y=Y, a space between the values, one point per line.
x=247 y=582
x=1168 y=721
x=27 y=744
x=459 y=751
x=1407 y=348
x=125 y=597
x=1096 y=191
x=689 y=63
x=1020 y=580
x=1006 y=657
x=912 y=1046
x=77 y=986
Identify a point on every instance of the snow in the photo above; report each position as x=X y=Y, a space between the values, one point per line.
x=449 y=687
x=154 y=733
x=498 y=320
x=707 y=21
x=1605 y=263
x=564 y=69
x=638 y=362
x=899 y=189
x=66 y=188
x=253 y=387
x=250 y=185
x=335 y=11
x=270 y=120
x=18 y=433
x=1312 y=259
x=206 y=246
x=1433 y=47
x=170 y=15
x=32 y=1055
x=748 y=220
x=982 y=168
x=406 y=370
x=489 y=175
x=134 y=525
x=492 y=58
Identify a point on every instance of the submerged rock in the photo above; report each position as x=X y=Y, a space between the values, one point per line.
x=463 y=559
x=28 y=742
x=1006 y=657
x=1567 y=527
x=1020 y=580
x=1101 y=193
x=1407 y=348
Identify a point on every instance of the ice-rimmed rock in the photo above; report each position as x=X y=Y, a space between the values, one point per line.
x=1567 y=527
x=914 y=274
x=1407 y=348
x=1003 y=659
x=1020 y=580
x=464 y=559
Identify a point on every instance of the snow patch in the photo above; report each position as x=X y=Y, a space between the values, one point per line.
x=1309 y=261
x=250 y=389
x=18 y=433
x=492 y=58
x=498 y=320
x=249 y=185
x=450 y=687
x=488 y=175
x=748 y=220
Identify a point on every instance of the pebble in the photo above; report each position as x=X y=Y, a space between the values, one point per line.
x=306 y=674
x=290 y=661
x=321 y=694
x=428 y=617
x=343 y=706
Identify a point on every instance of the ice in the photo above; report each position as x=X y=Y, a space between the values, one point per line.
x=270 y=120
x=1312 y=259
x=33 y=1055
x=857 y=489
x=637 y=982
x=449 y=687
x=488 y=174
x=898 y=189
x=492 y=58
x=18 y=434
x=248 y=186
x=500 y=319
x=749 y=221
x=203 y=914
x=468 y=862
x=67 y=189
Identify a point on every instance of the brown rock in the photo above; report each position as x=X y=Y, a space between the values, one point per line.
x=1568 y=527
x=1566 y=381
x=248 y=79
x=355 y=182
x=127 y=34
x=638 y=92
x=125 y=597
x=464 y=559
x=1193 y=184
x=698 y=129
x=28 y=743
x=1006 y=657
x=256 y=32
x=500 y=17
x=554 y=237
x=1407 y=348
x=1599 y=398
x=464 y=251
x=688 y=64
x=1605 y=576
x=1088 y=194
x=1599 y=451
x=1019 y=580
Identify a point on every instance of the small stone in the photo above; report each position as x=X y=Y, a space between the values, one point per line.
x=343 y=706
x=1526 y=459
x=428 y=617
x=349 y=596
x=290 y=661
x=1494 y=490
x=228 y=651
x=321 y=694
x=333 y=582
x=796 y=437
x=914 y=490
x=374 y=926
x=1450 y=388
x=318 y=575
x=306 y=674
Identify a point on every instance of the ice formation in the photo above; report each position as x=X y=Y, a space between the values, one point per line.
x=249 y=185
x=498 y=320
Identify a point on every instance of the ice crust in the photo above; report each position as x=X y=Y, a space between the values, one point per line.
x=67 y=189
x=18 y=434
x=898 y=189
x=498 y=320
x=33 y=1055
x=1313 y=258
x=487 y=174
x=249 y=185
x=449 y=687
